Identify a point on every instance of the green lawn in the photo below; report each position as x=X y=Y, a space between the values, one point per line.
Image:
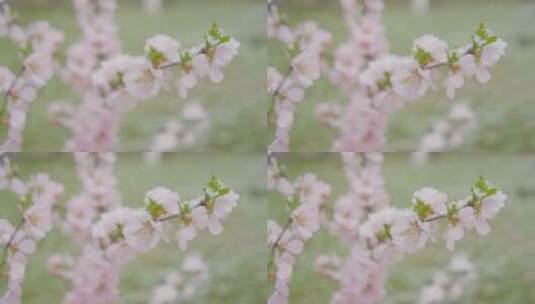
x=505 y=106
x=236 y=105
x=236 y=258
x=504 y=258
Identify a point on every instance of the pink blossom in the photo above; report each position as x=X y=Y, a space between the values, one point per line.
x=141 y=232
x=305 y=220
x=141 y=80
x=306 y=68
x=164 y=197
x=38 y=220
x=490 y=55
x=39 y=68
x=166 y=46
x=435 y=47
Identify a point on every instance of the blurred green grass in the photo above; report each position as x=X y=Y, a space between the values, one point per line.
x=505 y=106
x=236 y=105
x=236 y=258
x=504 y=258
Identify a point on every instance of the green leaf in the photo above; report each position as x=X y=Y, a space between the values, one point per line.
x=185 y=58
x=26 y=50
x=481 y=31
x=453 y=212
x=117 y=82
x=215 y=32
x=271 y=269
x=384 y=83
x=453 y=57
x=156 y=57
x=422 y=209
x=384 y=234
x=485 y=187
x=217 y=186
x=422 y=56
x=293 y=202
x=117 y=234
x=155 y=209
x=184 y=208
x=485 y=35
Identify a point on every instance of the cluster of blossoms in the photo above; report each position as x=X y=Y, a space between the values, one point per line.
x=376 y=82
x=37 y=44
x=306 y=45
x=305 y=199
x=447 y=133
x=110 y=82
x=128 y=79
x=181 y=285
x=365 y=194
x=93 y=278
x=357 y=275
x=450 y=284
x=393 y=231
x=37 y=199
x=375 y=233
x=110 y=235
x=389 y=233
x=389 y=82
x=180 y=133
x=184 y=284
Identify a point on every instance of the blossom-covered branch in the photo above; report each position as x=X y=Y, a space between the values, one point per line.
x=306 y=45
x=376 y=82
x=110 y=82
x=376 y=235
x=393 y=231
x=112 y=235
x=37 y=44
x=37 y=199
x=305 y=198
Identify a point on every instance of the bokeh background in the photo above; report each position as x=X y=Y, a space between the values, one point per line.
x=235 y=258
x=503 y=259
x=236 y=105
x=505 y=107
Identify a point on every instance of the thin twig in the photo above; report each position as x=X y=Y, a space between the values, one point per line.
x=469 y=204
x=271 y=111
x=163 y=219
x=10 y=241
x=172 y=64
x=437 y=65
x=279 y=87
x=173 y=216
x=11 y=87
x=279 y=238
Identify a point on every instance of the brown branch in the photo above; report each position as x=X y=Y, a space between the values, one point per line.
x=163 y=219
x=437 y=65
x=9 y=242
x=271 y=111
x=469 y=204
x=173 y=216
x=279 y=87
x=279 y=238
x=11 y=87
x=169 y=65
